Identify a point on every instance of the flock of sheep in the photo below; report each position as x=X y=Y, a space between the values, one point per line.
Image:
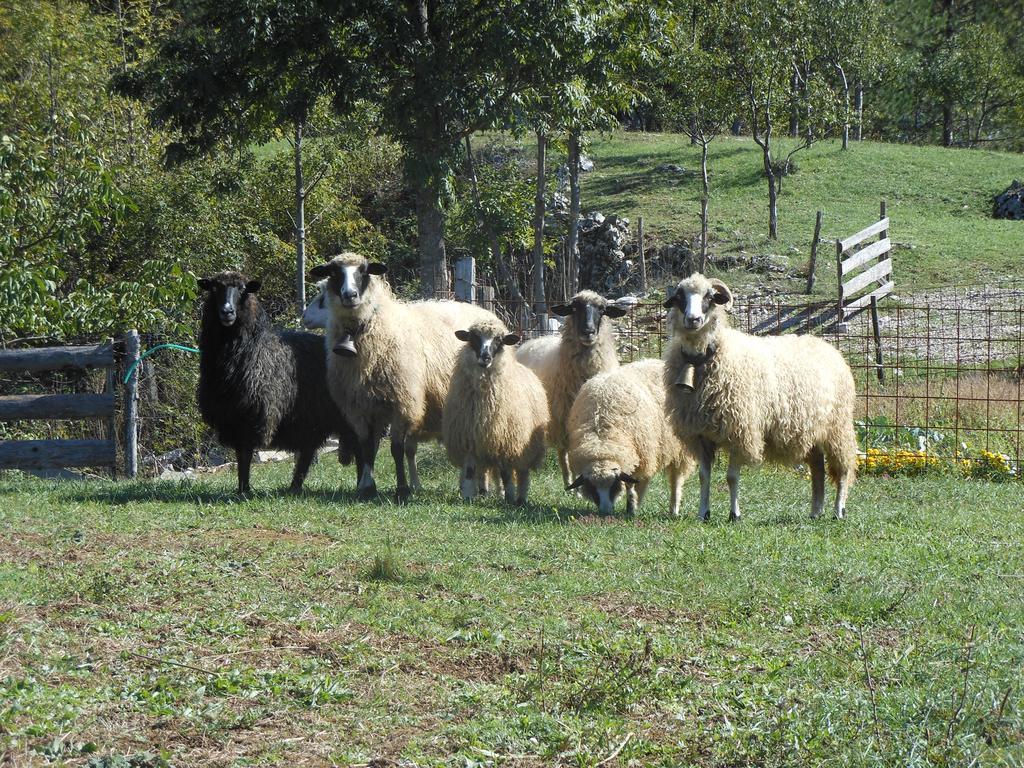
x=448 y=370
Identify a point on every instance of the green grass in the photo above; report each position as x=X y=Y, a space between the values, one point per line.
x=939 y=200
x=171 y=624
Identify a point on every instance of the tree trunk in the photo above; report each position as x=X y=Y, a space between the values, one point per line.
x=807 y=100
x=430 y=232
x=573 y=250
x=947 y=124
x=794 y=105
x=499 y=263
x=300 y=222
x=846 y=107
x=704 y=204
x=537 y=297
x=773 y=191
x=858 y=107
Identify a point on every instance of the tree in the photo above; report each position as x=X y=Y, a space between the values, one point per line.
x=852 y=40
x=765 y=40
x=700 y=92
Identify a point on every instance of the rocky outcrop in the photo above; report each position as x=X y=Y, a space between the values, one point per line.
x=1010 y=204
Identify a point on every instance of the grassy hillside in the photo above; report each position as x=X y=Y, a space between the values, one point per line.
x=939 y=201
x=178 y=626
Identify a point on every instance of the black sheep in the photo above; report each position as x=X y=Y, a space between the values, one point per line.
x=260 y=387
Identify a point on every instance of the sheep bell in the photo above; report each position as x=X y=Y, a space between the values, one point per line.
x=345 y=346
x=687 y=378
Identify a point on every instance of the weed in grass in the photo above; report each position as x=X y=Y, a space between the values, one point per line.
x=386 y=568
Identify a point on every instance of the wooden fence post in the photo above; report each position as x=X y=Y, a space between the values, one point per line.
x=465 y=279
x=109 y=387
x=640 y=248
x=814 y=253
x=131 y=406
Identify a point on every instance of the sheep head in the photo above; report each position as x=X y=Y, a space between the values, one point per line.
x=602 y=483
x=315 y=314
x=348 y=277
x=228 y=294
x=695 y=302
x=486 y=342
x=584 y=312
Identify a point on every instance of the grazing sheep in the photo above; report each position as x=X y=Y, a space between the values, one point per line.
x=314 y=317
x=585 y=348
x=619 y=436
x=402 y=364
x=259 y=387
x=496 y=412
x=787 y=399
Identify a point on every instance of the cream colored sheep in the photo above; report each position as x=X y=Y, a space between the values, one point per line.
x=496 y=412
x=402 y=366
x=619 y=437
x=585 y=348
x=785 y=399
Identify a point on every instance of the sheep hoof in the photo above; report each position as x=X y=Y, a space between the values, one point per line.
x=734 y=518
x=403 y=493
x=294 y=490
x=705 y=518
x=369 y=493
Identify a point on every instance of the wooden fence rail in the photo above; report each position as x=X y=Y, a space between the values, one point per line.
x=52 y=454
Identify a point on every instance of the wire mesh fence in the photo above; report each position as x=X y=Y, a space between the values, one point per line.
x=949 y=391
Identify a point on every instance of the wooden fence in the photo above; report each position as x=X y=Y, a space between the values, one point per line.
x=51 y=454
x=863 y=268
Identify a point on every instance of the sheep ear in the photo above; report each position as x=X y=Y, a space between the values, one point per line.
x=627 y=479
x=253 y=286
x=562 y=310
x=205 y=284
x=376 y=268
x=575 y=484
x=462 y=335
x=722 y=293
x=613 y=311
x=671 y=301
x=320 y=271
x=510 y=339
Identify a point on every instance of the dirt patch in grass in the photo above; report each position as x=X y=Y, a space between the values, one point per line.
x=622 y=605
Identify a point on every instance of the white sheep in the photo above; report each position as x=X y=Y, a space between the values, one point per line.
x=585 y=348
x=496 y=412
x=315 y=314
x=388 y=362
x=786 y=399
x=620 y=437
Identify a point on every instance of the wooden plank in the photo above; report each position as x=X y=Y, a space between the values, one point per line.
x=865 y=300
x=867 y=277
x=80 y=406
x=465 y=279
x=866 y=254
x=864 y=234
x=57 y=358
x=53 y=454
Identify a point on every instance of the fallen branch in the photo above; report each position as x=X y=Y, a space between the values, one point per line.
x=155 y=660
x=615 y=752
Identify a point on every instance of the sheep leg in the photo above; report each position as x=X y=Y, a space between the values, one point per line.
x=367 y=488
x=842 y=489
x=483 y=481
x=733 y=478
x=816 y=463
x=707 y=459
x=563 y=463
x=675 y=486
x=244 y=456
x=402 y=489
x=467 y=481
x=303 y=461
x=410 y=459
x=523 y=486
x=632 y=501
x=510 y=489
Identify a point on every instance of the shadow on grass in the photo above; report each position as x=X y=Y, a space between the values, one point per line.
x=176 y=493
